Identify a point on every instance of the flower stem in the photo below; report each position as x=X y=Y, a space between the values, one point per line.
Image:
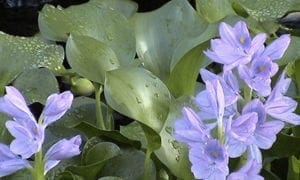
x=220 y=130
x=146 y=164
x=99 y=116
x=247 y=94
x=38 y=170
x=109 y=119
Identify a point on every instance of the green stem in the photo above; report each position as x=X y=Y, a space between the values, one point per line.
x=99 y=116
x=247 y=94
x=109 y=120
x=220 y=130
x=38 y=170
x=146 y=164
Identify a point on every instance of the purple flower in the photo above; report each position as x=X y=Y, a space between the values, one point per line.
x=56 y=106
x=9 y=162
x=251 y=130
x=63 y=149
x=276 y=49
x=265 y=132
x=29 y=137
x=13 y=104
x=235 y=46
x=249 y=171
x=239 y=134
x=279 y=106
x=190 y=128
x=258 y=76
x=228 y=82
x=209 y=160
x=216 y=97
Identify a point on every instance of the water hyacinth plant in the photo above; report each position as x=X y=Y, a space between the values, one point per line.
x=195 y=89
x=241 y=130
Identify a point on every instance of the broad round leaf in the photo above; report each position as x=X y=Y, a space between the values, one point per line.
x=90 y=19
x=263 y=10
x=21 y=53
x=214 y=10
x=159 y=32
x=36 y=85
x=126 y=7
x=137 y=93
x=90 y=58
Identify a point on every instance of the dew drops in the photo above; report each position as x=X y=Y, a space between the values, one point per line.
x=177 y=158
x=156 y=95
x=139 y=101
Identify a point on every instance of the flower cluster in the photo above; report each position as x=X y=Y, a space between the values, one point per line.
x=29 y=134
x=230 y=123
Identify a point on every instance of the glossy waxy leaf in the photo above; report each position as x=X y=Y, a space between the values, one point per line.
x=159 y=32
x=214 y=10
x=20 y=53
x=134 y=131
x=127 y=7
x=172 y=153
x=97 y=21
x=128 y=165
x=94 y=159
x=138 y=94
x=82 y=110
x=185 y=72
x=90 y=58
x=263 y=10
x=36 y=85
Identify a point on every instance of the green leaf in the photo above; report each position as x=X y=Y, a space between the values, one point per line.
x=135 y=132
x=5 y=136
x=185 y=72
x=94 y=160
x=159 y=32
x=36 y=85
x=90 y=58
x=90 y=19
x=126 y=7
x=172 y=153
x=19 y=53
x=282 y=147
x=23 y=174
x=214 y=10
x=294 y=168
x=263 y=10
x=292 y=53
x=138 y=94
x=129 y=165
x=114 y=136
x=101 y=152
